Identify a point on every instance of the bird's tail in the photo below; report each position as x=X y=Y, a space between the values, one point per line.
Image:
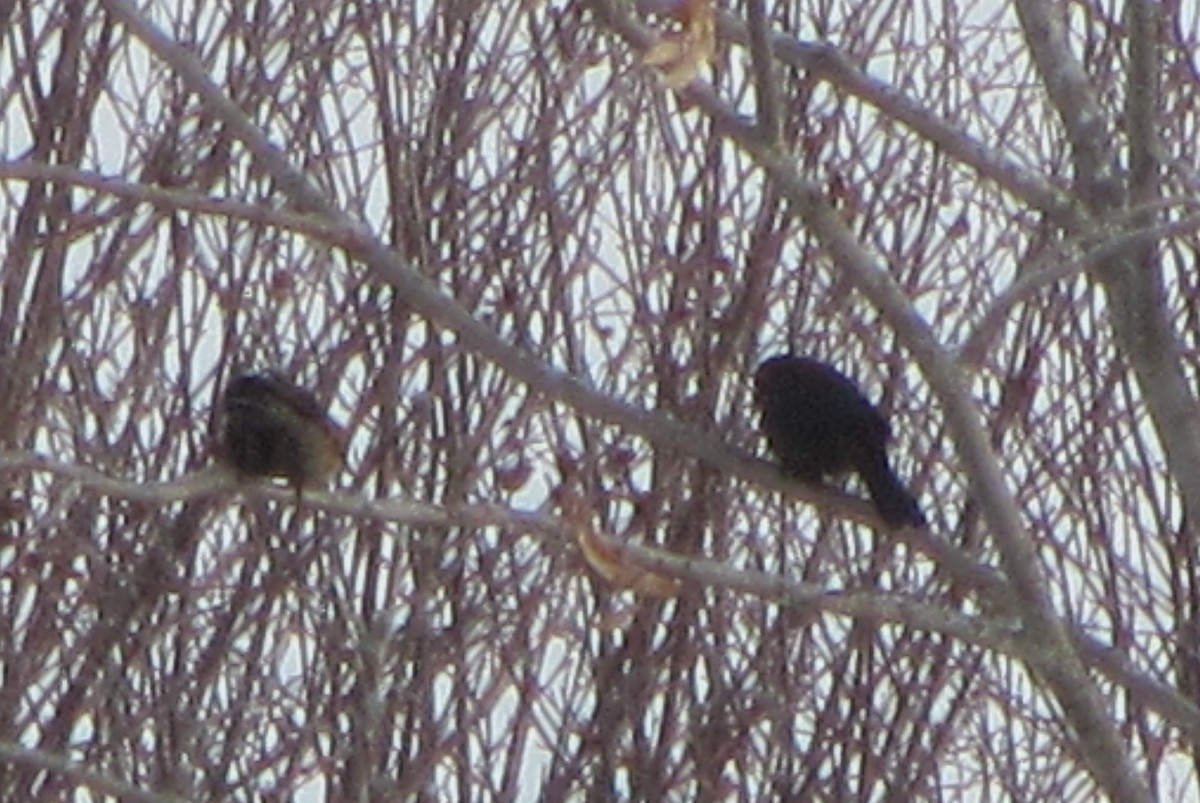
x=896 y=505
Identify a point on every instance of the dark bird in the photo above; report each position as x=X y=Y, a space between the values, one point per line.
x=819 y=424
x=274 y=429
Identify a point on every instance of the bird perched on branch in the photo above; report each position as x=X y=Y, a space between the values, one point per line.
x=819 y=424
x=275 y=429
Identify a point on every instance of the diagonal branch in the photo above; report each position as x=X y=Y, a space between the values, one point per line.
x=827 y=62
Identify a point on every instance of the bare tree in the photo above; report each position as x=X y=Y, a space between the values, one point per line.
x=531 y=274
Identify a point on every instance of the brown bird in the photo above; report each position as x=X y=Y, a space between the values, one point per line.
x=819 y=424
x=275 y=429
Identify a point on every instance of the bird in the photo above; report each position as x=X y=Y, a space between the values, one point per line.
x=274 y=429
x=819 y=424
